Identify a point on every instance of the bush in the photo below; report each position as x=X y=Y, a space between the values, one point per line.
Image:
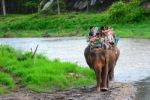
x=121 y=12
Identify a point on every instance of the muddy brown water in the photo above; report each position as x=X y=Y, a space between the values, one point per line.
x=133 y=65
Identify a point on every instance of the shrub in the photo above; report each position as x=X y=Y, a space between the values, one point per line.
x=121 y=12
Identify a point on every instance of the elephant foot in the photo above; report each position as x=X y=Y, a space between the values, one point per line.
x=111 y=82
x=98 y=89
x=104 y=89
x=111 y=79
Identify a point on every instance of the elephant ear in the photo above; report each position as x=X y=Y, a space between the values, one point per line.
x=89 y=62
x=87 y=55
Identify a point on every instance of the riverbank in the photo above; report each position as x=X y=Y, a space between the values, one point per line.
x=25 y=78
x=21 y=69
x=73 y=24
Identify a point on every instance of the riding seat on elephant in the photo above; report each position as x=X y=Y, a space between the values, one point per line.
x=103 y=62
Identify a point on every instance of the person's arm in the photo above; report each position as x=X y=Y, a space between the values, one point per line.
x=104 y=31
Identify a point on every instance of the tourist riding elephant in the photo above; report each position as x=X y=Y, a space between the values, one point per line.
x=102 y=61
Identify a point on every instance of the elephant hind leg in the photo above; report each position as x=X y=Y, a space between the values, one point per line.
x=111 y=75
x=108 y=81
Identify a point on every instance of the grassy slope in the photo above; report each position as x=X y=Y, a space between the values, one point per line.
x=73 y=24
x=135 y=30
x=6 y=83
x=41 y=74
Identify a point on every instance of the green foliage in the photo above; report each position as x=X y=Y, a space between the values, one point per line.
x=133 y=1
x=42 y=74
x=61 y=4
x=77 y=24
x=53 y=23
x=31 y=4
x=6 y=80
x=6 y=83
x=121 y=12
x=135 y=30
x=74 y=24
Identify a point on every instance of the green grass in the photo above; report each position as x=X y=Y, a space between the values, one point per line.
x=36 y=25
x=67 y=25
x=41 y=74
x=6 y=83
x=135 y=30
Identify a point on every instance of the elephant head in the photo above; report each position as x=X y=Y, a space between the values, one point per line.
x=102 y=62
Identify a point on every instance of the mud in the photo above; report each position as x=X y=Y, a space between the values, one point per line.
x=143 y=88
x=117 y=91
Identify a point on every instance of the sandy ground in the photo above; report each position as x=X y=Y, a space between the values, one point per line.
x=117 y=91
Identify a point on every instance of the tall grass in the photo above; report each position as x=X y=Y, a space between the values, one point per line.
x=6 y=83
x=42 y=74
x=53 y=23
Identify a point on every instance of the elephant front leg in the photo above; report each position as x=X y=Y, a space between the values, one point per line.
x=98 y=79
x=105 y=82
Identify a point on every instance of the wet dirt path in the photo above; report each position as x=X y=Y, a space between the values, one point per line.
x=117 y=91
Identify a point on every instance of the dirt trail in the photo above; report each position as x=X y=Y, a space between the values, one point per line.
x=118 y=91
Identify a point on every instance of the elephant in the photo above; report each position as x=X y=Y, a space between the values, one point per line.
x=103 y=62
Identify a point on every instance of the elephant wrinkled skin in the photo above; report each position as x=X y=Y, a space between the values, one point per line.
x=103 y=62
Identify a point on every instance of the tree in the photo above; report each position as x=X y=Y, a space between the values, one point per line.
x=40 y=6
x=31 y=5
x=52 y=6
x=4 y=8
x=58 y=7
